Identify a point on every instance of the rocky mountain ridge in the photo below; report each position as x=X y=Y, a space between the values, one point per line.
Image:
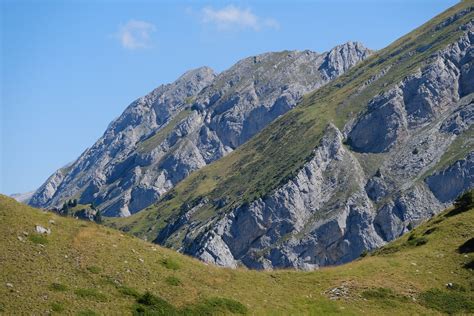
x=381 y=149
x=178 y=128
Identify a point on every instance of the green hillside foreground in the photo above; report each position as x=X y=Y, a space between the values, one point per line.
x=86 y=269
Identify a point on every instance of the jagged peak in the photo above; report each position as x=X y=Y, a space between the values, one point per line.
x=196 y=73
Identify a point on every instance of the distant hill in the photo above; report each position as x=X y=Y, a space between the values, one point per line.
x=23 y=197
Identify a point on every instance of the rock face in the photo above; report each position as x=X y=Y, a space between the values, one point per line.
x=181 y=127
x=365 y=184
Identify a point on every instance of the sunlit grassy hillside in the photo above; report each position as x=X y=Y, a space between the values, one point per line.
x=86 y=269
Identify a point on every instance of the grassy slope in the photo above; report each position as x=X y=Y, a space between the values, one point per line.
x=150 y=143
x=87 y=262
x=270 y=158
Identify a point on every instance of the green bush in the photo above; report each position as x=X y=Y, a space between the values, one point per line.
x=416 y=241
x=463 y=203
x=170 y=264
x=467 y=247
x=57 y=307
x=386 y=250
x=429 y=231
x=469 y=265
x=149 y=304
x=174 y=281
x=58 y=287
x=447 y=302
x=38 y=239
x=125 y=290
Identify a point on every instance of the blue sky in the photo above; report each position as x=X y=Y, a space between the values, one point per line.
x=69 y=67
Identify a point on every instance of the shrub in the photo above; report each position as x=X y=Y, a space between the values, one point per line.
x=469 y=265
x=463 y=203
x=429 y=231
x=386 y=250
x=128 y=291
x=58 y=287
x=149 y=304
x=416 y=241
x=170 y=264
x=172 y=280
x=447 y=302
x=467 y=247
x=38 y=239
x=98 y=217
x=57 y=307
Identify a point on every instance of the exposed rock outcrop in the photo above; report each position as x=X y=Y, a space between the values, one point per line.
x=350 y=199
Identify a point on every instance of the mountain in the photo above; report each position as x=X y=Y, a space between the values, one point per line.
x=81 y=268
x=23 y=197
x=355 y=164
x=180 y=127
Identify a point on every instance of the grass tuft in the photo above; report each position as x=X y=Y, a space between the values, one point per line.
x=58 y=287
x=173 y=281
x=169 y=263
x=125 y=290
x=149 y=304
x=91 y=294
x=57 y=307
x=38 y=239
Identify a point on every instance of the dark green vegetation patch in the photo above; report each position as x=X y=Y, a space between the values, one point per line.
x=467 y=247
x=38 y=239
x=58 y=287
x=91 y=293
x=449 y=302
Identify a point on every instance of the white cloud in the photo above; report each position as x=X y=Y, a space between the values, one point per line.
x=232 y=16
x=135 y=34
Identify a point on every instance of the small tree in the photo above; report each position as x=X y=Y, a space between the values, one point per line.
x=98 y=217
x=65 y=209
x=465 y=201
x=74 y=203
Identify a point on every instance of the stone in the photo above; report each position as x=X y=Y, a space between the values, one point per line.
x=42 y=230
